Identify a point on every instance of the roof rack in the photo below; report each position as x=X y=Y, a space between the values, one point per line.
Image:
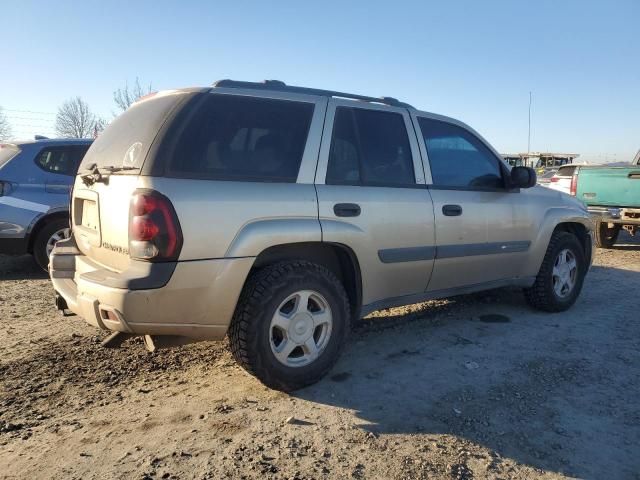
x=280 y=86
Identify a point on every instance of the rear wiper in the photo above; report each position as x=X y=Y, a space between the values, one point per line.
x=95 y=175
x=113 y=168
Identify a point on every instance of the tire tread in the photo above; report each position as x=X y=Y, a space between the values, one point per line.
x=539 y=295
x=253 y=299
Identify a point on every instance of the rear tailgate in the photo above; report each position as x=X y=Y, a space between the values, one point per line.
x=101 y=220
x=609 y=186
x=100 y=210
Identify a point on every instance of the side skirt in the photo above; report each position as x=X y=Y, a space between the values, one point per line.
x=449 y=292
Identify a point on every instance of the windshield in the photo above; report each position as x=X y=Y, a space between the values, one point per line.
x=126 y=141
x=7 y=152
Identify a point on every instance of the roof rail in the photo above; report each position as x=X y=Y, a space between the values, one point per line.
x=280 y=86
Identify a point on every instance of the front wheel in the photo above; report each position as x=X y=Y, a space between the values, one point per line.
x=51 y=233
x=606 y=234
x=561 y=275
x=290 y=324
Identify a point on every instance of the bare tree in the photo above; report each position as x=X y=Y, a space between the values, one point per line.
x=124 y=97
x=99 y=126
x=75 y=119
x=5 y=127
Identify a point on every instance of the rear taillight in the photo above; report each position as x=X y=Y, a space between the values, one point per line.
x=574 y=185
x=154 y=230
x=554 y=179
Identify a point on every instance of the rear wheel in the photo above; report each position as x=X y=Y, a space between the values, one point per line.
x=607 y=234
x=48 y=236
x=561 y=274
x=290 y=324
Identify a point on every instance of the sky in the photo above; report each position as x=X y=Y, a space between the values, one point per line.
x=476 y=61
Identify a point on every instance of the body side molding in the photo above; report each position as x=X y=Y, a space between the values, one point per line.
x=413 y=254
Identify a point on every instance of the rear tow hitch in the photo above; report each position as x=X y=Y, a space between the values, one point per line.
x=61 y=305
x=154 y=342
x=115 y=339
x=151 y=343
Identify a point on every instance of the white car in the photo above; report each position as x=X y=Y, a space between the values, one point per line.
x=561 y=181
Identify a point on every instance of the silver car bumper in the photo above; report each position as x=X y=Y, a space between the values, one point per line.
x=196 y=299
x=626 y=216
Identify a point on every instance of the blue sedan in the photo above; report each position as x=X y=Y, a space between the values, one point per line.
x=35 y=181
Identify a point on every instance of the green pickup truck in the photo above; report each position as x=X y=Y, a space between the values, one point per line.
x=612 y=196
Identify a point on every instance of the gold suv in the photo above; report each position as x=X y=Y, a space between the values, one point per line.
x=277 y=215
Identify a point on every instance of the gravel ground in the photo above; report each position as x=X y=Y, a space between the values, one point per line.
x=478 y=386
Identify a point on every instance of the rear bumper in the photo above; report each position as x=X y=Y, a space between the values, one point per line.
x=194 y=299
x=624 y=216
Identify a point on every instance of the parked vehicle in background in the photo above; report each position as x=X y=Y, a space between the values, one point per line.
x=544 y=178
x=35 y=179
x=612 y=196
x=561 y=179
x=278 y=215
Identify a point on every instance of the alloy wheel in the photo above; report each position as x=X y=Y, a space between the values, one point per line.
x=300 y=328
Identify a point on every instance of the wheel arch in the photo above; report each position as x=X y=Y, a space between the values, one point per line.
x=559 y=219
x=581 y=232
x=337 y=258
x=40 y=223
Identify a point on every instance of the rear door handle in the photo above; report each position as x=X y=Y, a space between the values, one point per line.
x=346 y=209
x=452 y=210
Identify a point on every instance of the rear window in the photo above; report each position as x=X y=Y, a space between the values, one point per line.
x=126 y=141
x=7 y=152
x=566 y=171
x=232 y=137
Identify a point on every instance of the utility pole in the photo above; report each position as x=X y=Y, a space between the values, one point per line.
x=529 y=137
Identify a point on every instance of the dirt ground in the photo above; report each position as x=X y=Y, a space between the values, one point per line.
x=478 y=386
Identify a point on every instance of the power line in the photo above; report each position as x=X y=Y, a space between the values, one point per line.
x=32 y=125
x=30 y=118
x=28 y=111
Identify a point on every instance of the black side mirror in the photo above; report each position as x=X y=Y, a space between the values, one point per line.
x=523 y=177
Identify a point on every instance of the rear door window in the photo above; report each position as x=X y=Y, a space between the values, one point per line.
x=369 y=147
x=458 y=158
x=242 y=138
x=61 y=160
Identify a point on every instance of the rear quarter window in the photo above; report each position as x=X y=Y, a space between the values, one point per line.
x=63 y=160
x=242 y=138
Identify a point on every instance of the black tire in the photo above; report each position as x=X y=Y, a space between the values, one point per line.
x=42 y=238
x=250 y=330
x=606 y=236
x=542 y=294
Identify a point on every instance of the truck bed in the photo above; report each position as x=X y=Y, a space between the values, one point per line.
x=610 y=186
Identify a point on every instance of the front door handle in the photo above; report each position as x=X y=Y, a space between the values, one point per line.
x=346 y=209
x=452 y=210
